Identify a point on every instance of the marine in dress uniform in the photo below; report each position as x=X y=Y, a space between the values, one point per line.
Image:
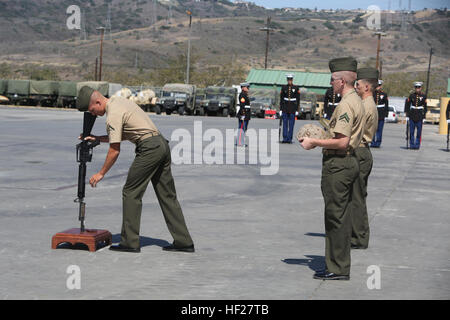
x=416 y=109
x=367 y=81
x=290 y=104
x=340 y=169
x=125 y=120
x=330 y=102
x=382 y=103
x=244 y=112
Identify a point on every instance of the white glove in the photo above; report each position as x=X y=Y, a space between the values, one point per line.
x=242 y=118
x=325 y=115
x=407 y=119
x=281 y=113
x=448 y=121
x=296 y=113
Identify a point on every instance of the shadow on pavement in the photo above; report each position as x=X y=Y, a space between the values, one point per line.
x=315 y=263
x=145 y=241
x=314 y=234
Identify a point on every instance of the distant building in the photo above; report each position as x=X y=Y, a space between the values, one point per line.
x=270 y=78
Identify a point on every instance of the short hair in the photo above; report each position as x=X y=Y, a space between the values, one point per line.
x=373 y=83
x=349 y=77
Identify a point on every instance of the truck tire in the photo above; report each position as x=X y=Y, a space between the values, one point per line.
x=168 y=112
x=225 y=112
x=181 y=111
x=158 y=110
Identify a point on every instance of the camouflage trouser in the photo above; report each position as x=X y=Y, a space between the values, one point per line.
x=338 y=176
x=360 y=219
x=152 y=163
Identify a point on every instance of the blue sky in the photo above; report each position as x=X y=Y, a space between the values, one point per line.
x=363 y=4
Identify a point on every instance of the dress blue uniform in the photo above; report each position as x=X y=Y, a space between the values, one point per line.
x=382 y=103
x=330 y=102
x=290 y=103
x=416 y=109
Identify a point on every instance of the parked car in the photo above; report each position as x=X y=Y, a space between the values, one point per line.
x=392 y=116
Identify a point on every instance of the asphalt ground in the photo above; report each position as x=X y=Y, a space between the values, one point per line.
x=256 y=236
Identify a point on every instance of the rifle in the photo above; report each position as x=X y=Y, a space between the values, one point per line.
x=279 y=128
x=84 y=152
x=448 y=132
x=407 y=134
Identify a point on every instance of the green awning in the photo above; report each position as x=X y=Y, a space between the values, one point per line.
x=269 y=77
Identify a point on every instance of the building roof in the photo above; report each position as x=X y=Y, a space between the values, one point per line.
x=278 y=78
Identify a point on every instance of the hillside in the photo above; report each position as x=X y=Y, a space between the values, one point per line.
x=146 y=46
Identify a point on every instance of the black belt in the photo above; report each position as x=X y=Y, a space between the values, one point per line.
x=334 y=152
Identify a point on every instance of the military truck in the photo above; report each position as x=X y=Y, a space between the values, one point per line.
x=105 y=88
x=67 y=94
x=177 y=97
x=219 y=101
x=308 y=105
x=433 y=115
x=44 y=92
x=262 y=100
x=18 y=92
x=3 y=86
x=200 y=95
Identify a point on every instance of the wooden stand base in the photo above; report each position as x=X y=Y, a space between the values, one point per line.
x=90 y=237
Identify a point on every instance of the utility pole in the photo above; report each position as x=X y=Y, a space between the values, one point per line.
x=267 y=29
x=96 y=68
x=189 y=46
x=428 y=74
x=381 y=69
x=154 y=18
x=102 y=32
x=379 y=34
x=169 y=15
x=83 y=27
x=108 y=21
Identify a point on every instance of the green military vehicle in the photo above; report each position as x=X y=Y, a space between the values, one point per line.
x=262 y=100
x=105 y=88
x=44 y=92
x=18 y=92
x=219 y=101
x=200 y=96
x=3 y=87
x=177 y=97
x=308 y=105
x=67 y=94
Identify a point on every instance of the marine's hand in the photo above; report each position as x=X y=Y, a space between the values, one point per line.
x=306 y=143
x=95 y=179
x=88 y=138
